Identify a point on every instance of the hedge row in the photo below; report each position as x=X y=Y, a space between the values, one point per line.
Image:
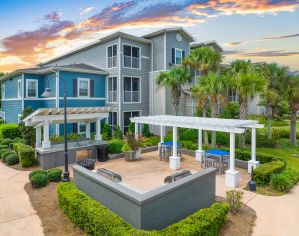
x=263 y=173
x=40 y=178
x=285 y=180
x=10 y=131
x=96 y=219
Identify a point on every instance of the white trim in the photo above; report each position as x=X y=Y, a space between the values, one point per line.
x=175 y=62
x=130 y=45
x=107 y=89
x=19 y=90
x=78 y=127
x=78 y=87
x=11 y=99
x=112 y=56
x=19 y=118
x=83 y=98
x=57 y=88
x=145 y=57
x=123 y=90
x=23 y=91
x=165 y=51
x=119 y=82
x=123 y=113
x=36 y=87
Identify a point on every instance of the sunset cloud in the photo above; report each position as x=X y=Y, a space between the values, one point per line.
x=46 y=41
x=262 y=53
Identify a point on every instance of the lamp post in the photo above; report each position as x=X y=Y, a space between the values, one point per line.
x=47 y=93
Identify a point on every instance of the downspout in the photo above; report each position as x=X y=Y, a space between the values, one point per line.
x=57 y=128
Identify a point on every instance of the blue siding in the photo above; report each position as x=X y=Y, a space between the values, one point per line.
x=12 y=109
x=11 y=87
x=82 y=103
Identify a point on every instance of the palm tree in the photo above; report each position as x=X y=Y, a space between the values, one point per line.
x=213 y=86
x=203 y=59
x=173 y=79
x=290 y=90
x=270 y=98
x=247 y=80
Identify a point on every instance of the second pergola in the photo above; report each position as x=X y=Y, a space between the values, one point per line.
x=231 y=126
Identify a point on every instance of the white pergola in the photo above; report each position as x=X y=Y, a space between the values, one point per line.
x=43 y=117
x=231 y=126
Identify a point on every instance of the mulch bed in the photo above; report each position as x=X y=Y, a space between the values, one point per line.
x=240 y=223
x=54 y=221
x=19 y=167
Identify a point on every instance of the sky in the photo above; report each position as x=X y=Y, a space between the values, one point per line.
x=33 y=31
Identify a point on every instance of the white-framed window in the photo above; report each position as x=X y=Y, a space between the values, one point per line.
x=32 y=88
x=127 y=116
x=131 y=56
x=131 y=89
x=112 y=120
x=81 y=128
x=178 y=56
x=233 y=95
x=3 y=91
x=19 y=88
x=83 y=87
x=112 y=56
x=112 y=89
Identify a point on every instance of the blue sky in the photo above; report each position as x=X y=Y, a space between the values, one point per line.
x=261 y=30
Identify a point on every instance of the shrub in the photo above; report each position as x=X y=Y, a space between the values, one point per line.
x=3 y=151
x=17 y=145
x=27 y=156
x=131 y=127
x=234 y=199
x=115 y=145
x=12 y=159
x=117 y=133
x=189 y=145
x=263 y=173
x=27 y=132
x=189 y=135
x=284 y=181
x=106 y=132
x=146 y=131
x=96 y=219
x=151 y=141
x=39 y=180
x=54 y=175
x=6 y=141
x=34 y=172
x=230 y=111
x=10 y=131
x=6 y=154
x=3 y=147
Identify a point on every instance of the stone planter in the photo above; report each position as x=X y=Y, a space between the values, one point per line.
x=133 y=155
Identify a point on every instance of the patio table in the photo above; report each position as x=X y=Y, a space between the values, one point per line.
x=220 y=154
x=169 y=144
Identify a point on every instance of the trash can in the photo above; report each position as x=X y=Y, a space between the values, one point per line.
x=102 y=153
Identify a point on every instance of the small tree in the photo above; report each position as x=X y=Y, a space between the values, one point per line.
x=131 y=127
x=234 y=199
x=146 y=131
x=117 y=133
x=106 y=132
x=27 y=132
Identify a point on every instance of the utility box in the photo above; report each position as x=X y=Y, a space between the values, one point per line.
x=102 y=153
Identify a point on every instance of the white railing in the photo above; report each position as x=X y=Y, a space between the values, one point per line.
x=112 y=96
x=131 y=96
x=131 y=62
x=112 y=62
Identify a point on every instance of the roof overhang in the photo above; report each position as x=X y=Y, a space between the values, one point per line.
x=214 y=44
x=74 y=115
x=203 y=123
x=180 y=29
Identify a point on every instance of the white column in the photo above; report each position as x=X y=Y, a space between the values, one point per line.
x=232 y=176
x=88 y=130
x=161 y=137
x=46 y=142
x=174 y=160
x=38 y=136
x=199 y=153
x=98 y=135
x=253 y=163
x=136 y=130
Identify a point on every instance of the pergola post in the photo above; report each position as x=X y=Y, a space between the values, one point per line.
x=174 y=160
x=232 y=176
x=38 y=136
x=253 y=163
x=46 y=142
x=88 y=130
x=199 y=153
x=136 y=130
x=162 y=128
x=98 y=135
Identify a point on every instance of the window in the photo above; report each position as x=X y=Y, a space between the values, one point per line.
x=127 y=116
x=3 y=91
x=19 y=88
x=32 y=88
x=131 y=57
x=112 y=120
x=178 y=56
x=112 y=89
x=131 y=89
x=233 y=95
x=83 y=87
x=111 y=56
x=81 y=128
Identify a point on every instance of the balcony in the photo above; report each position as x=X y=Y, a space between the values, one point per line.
x=131 y=96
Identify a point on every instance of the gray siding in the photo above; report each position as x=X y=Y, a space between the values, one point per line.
x=158 y=52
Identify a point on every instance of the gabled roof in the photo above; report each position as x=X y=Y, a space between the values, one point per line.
x=83 y=68
x=162 y=31
x=213 y=44
x=97 y=42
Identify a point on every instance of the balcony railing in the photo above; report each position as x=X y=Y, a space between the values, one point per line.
x=131 y=96
x=132 y=62
x=112 y=62
x=112 y=96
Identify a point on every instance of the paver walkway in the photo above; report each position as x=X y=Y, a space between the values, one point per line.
x=17 y=216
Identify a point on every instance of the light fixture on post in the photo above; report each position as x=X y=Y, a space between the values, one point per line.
x=47 y=93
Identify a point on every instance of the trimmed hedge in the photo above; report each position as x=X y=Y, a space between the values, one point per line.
x=54 y=175
x=26 y=155
x=96 y=219
x=10 y=131
x=34 y=172
x=3 y=147
x=3 y=151
x=39 y=180
x=12 y=159
x=115 y=146
x=262 y=174
x=6 y=154
x=284 y=181
x=6 y=141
